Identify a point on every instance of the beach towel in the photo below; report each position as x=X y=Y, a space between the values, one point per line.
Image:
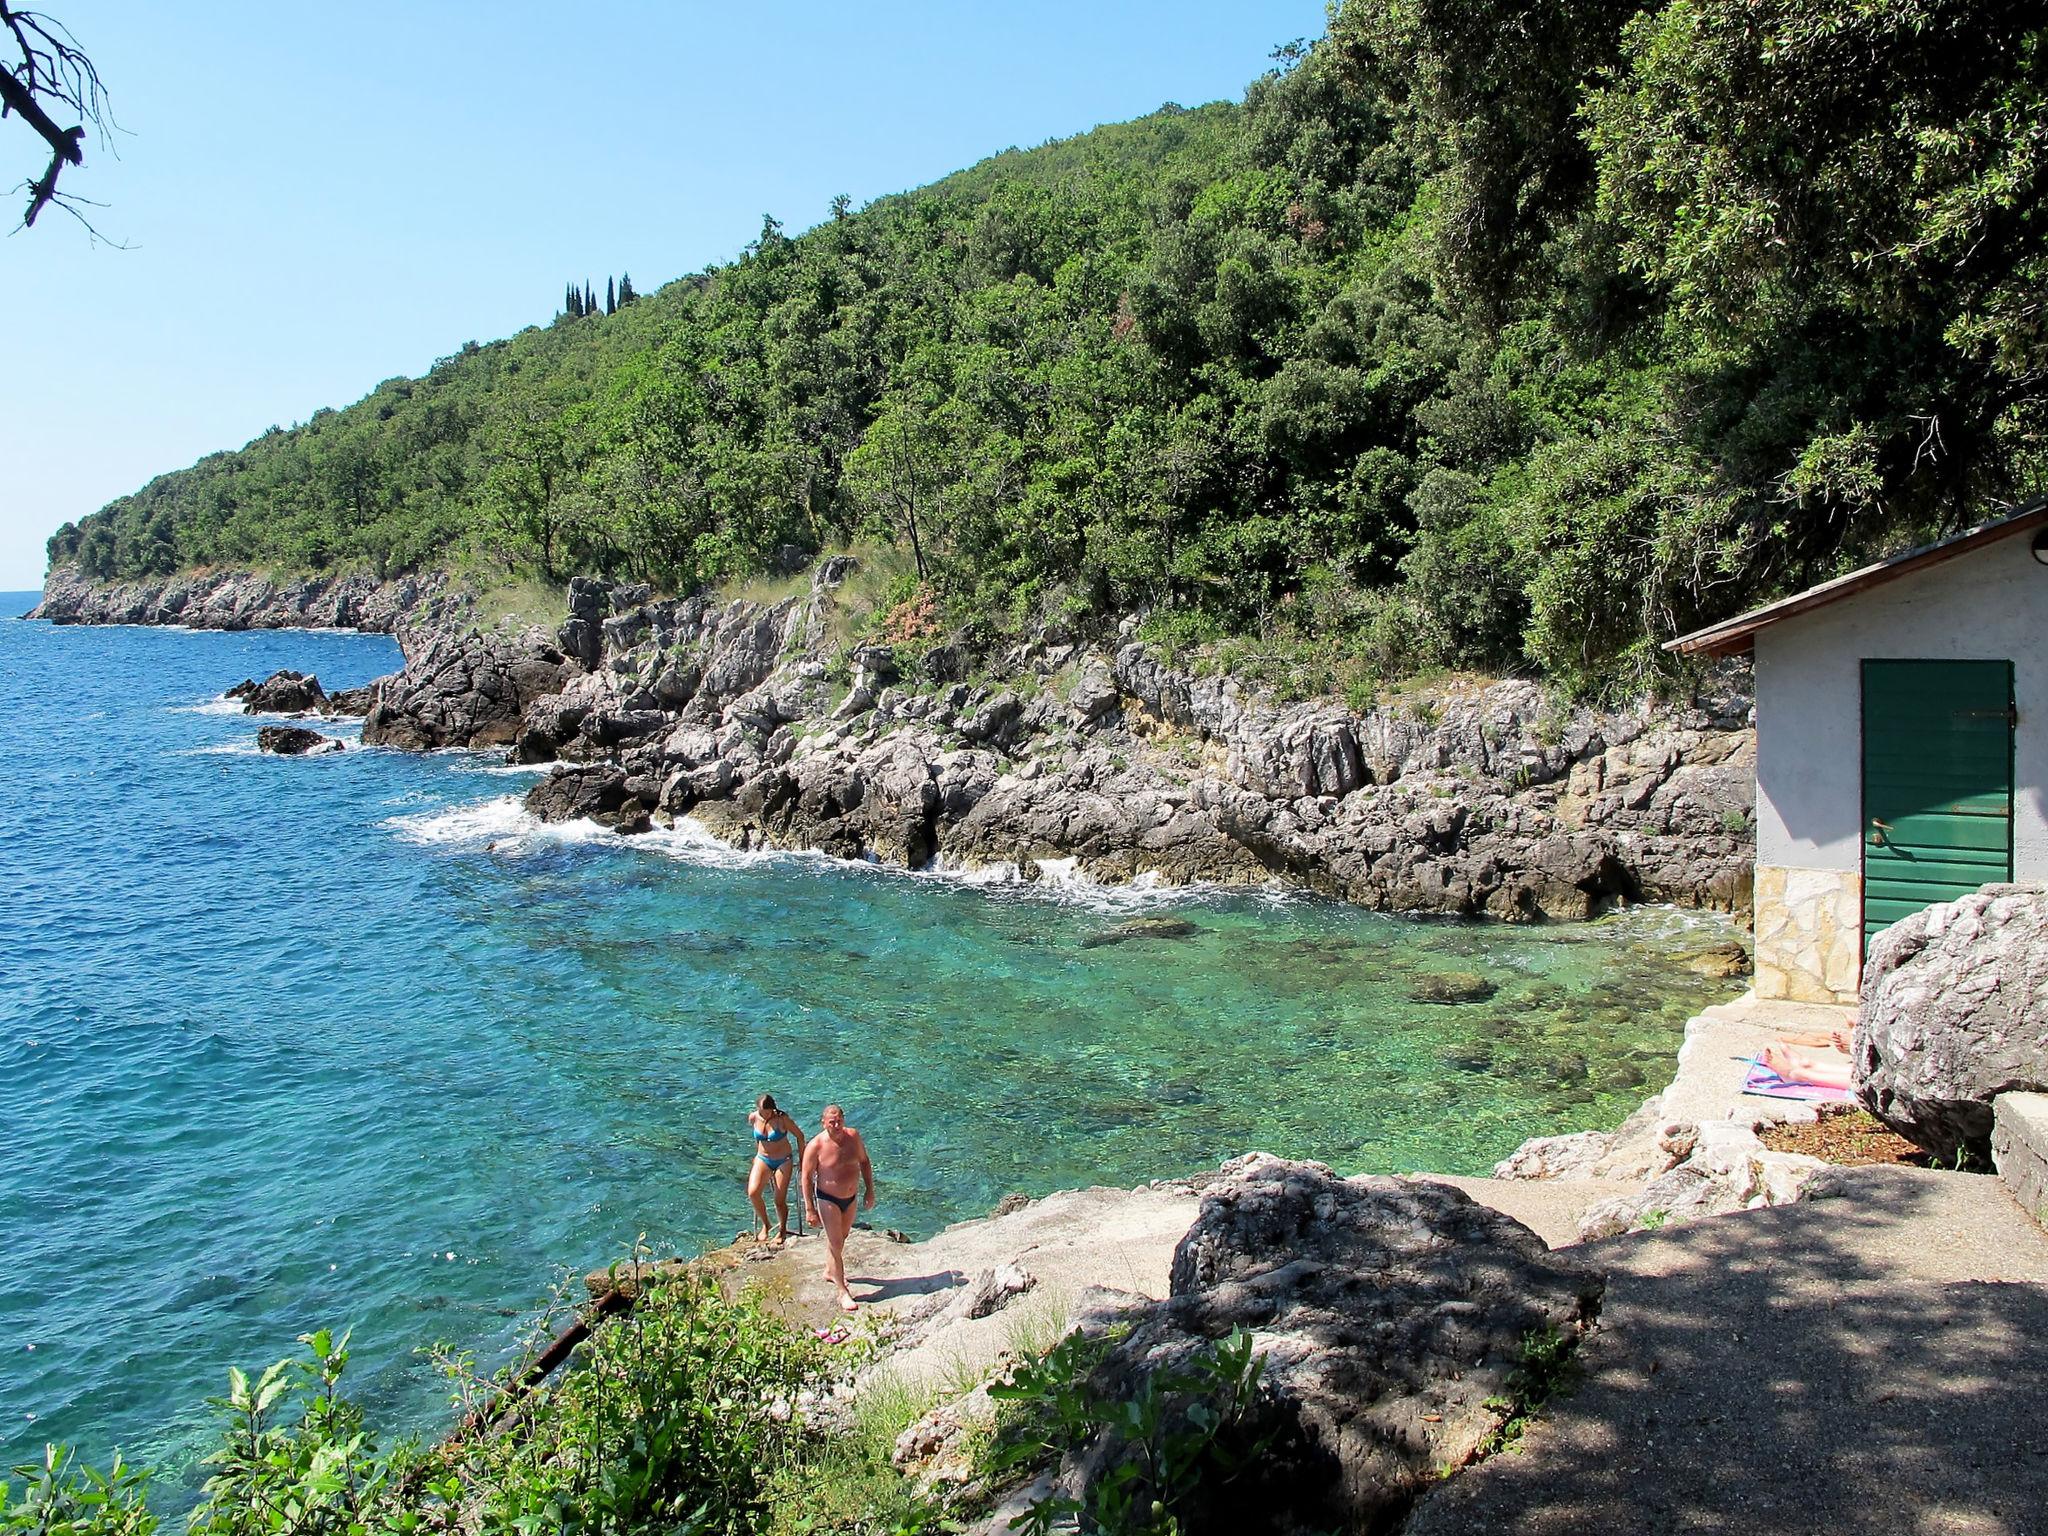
x=1766 y=1084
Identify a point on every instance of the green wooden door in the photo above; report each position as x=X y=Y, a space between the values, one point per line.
x=1937 y=783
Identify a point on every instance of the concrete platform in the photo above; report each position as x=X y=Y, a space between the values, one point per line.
x=2019 y=1149
x=1718 y=1040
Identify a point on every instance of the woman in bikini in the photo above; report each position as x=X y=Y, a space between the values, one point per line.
x=773 y=1159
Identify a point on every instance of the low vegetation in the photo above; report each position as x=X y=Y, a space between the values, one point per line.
x=1503 y=336
x=694 y=1415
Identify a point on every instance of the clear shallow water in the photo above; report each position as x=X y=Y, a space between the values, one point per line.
x=345 y=1041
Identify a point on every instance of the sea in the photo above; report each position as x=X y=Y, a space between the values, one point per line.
x=348 y=1041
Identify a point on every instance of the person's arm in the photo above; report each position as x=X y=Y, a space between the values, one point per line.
x=798 y=1132
x=867 y=1175
x=806 y=1175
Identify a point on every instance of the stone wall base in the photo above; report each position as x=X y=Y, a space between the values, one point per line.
x=1809 y=934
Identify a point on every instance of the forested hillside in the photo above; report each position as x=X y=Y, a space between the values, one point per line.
x=1483 y=333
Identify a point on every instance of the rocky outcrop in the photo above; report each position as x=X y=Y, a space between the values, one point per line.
x=599 y=793
x=1391 y=1315
x=237 y=600
x=1954 y=1013
x=295 y=741
x=1072 y=762
x=1726 y=1168
x=282 y=693
x=461 y=688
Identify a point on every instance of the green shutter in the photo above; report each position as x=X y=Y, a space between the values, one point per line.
x=1937 y=783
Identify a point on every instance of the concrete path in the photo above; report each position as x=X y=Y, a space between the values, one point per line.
x=1872 y=1363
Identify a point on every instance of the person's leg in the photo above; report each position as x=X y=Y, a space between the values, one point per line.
x=837 y=1223
x=782 y=1200
x=757 y=1176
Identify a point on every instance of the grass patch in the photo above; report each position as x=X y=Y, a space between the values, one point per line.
x=1549 y=1369
x=846 y=1484
x=516 y=604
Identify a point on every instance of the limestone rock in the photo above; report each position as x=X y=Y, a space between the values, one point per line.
x=238 y=600
x=601 y=793
x=1955 y=1012
x=1390 y=1314
x=1556 y=1157
x=282 y=693
x=1727 y=1169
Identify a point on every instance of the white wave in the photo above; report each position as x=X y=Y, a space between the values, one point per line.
x=504 y=826
x=223 y=749
x=220 y=705
x=483 y=823
x=513 y=769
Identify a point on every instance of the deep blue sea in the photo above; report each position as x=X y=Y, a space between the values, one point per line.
x=344 y=1041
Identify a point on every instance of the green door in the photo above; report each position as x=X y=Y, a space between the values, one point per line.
x=1937 y=783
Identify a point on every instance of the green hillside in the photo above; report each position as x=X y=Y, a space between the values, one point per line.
x=1494 y=335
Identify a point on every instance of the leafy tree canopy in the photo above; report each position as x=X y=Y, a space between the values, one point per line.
x=1483 y=333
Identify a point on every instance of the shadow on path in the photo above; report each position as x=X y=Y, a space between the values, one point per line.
x=1873 y=1362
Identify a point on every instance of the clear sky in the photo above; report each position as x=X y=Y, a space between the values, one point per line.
x=319 y=197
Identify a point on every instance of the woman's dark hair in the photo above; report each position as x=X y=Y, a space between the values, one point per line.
x=767 y=1105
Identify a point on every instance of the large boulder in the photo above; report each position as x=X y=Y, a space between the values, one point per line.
x=282 y=693
x=599 y=793
x=1392 y=1316
x=1955 y=1012
x=464 y=690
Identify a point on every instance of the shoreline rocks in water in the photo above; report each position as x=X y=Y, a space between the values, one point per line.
x=1071 y=761
x=295 y=741
x=1491 y=802
x=283 y=693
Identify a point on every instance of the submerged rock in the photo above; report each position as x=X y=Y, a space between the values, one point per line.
x=1955 y=1012
x=1718 y=962
x=1143 y=928
x=1452 y=987
x=295 y=741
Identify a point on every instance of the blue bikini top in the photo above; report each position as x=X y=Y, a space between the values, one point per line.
x=774 y=1135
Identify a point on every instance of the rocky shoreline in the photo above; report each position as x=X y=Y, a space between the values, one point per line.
x=771 y=727
x=238 y=600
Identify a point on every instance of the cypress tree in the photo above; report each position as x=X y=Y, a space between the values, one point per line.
x=572 y=303
x=589 y=299
x=626 y=293
x=611 y=298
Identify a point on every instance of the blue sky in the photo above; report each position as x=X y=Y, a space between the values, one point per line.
x=316 y=198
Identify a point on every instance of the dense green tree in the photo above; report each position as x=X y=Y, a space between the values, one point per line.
x=1508 y=335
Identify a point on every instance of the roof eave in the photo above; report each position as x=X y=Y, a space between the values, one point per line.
x=1734 y=637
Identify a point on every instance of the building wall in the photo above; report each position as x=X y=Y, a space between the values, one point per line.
x=1988 y=605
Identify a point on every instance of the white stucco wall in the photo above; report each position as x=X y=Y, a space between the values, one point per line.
x=1988 y=605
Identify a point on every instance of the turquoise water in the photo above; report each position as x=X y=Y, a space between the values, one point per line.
x=345 y=1041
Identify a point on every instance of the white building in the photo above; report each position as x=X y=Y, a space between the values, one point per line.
x=1902 y=745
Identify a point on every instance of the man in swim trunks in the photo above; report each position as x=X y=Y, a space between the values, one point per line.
x=835 y=1169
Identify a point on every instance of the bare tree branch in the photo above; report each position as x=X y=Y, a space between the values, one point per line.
x=49 y=71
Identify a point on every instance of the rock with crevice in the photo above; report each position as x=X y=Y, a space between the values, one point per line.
x=1391 y=1315
x=1954 y=1013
